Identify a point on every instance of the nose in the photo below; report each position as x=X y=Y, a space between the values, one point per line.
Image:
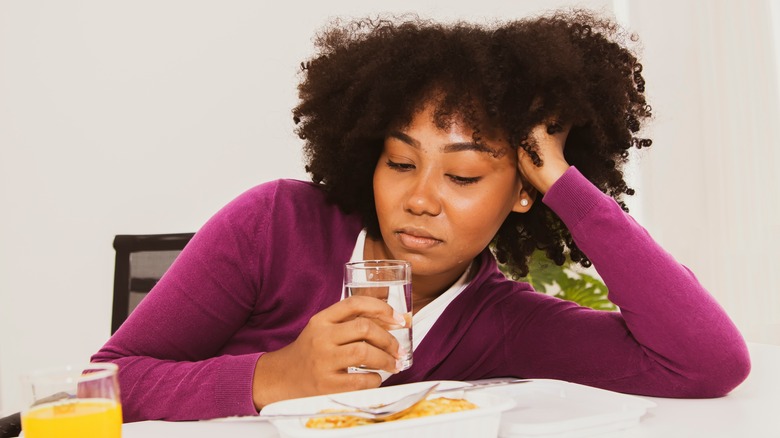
x=423 y=198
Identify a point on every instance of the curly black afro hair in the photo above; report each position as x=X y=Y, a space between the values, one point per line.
x=372 y=75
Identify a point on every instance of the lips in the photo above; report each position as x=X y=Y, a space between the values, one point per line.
x=416 y=238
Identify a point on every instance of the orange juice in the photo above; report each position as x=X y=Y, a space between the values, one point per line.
x=81 y=418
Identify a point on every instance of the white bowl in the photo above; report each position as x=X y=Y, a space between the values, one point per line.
x=481 y=422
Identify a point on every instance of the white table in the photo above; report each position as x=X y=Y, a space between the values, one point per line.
x=751 y=410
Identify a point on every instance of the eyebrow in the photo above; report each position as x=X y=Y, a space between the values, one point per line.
x=450 y=147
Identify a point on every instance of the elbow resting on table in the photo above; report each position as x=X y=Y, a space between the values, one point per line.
x=719 y=377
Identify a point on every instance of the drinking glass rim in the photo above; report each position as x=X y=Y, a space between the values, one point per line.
x=380 y=263
x=101 y=371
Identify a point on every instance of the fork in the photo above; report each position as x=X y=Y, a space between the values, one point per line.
x=394 y=409
x=406 y=403
x=483 y=384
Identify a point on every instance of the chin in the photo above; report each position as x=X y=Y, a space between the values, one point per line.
x=425 y=267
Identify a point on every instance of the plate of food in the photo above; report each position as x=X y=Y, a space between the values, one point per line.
x=451 y=414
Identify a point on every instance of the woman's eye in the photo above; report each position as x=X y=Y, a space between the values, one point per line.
x=463 y=181
x=401 y=167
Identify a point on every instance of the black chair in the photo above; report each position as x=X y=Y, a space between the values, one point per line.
x=141 y=259
x=10 y=426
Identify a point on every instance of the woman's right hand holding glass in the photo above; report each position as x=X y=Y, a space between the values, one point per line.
x=351 y=332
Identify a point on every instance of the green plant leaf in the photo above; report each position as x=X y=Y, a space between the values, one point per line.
x=585 y=290
x=565 y=282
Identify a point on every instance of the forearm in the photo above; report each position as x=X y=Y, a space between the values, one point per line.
x=676 y=322
x=154 y=389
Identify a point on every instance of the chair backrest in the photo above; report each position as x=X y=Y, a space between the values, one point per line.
x=11 y=426
x=141 y=259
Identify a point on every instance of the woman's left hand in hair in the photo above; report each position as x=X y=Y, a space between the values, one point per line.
x=550 y=150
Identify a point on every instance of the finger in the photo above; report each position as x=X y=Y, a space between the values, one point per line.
x=362 y=380
x=352 y=382
x=556 y=127
x=524 y=162
x=365 y=330
x=365 y=355
x=547 y=139
x=356 y=306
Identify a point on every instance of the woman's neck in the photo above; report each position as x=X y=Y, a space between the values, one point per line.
x=428 y=288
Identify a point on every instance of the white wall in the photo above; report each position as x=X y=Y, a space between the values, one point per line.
x=710 y=187
x=147 y=116
x=139 y=117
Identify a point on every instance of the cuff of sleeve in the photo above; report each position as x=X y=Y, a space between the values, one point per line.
x=233 y=390
x=572 y=197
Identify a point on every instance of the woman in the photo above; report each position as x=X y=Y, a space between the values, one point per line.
x=452 y=147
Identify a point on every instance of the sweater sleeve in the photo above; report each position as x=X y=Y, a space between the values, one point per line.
x=670 y=338
x=170 y=351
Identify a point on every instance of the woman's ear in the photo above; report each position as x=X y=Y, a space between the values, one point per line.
x=525 y=199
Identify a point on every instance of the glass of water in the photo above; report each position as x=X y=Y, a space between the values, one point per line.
x=391 y=282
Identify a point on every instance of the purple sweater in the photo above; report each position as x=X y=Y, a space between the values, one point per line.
x=256 y=272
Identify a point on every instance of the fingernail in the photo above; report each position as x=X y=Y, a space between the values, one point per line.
x=399 y=319
x=398 y=365
x=402 y=352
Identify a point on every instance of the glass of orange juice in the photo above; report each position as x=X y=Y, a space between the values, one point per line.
x=70 y=402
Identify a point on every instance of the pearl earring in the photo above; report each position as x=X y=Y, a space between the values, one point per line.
x=524 y=202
